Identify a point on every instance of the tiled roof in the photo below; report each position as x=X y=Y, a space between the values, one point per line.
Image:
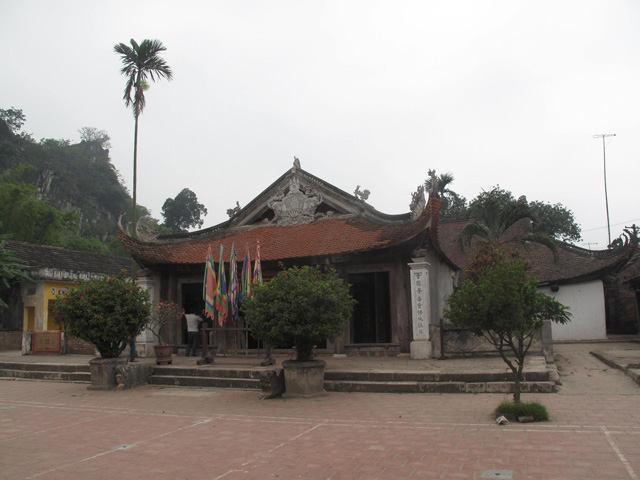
x=574 y=263
x=42 y=257
x=330 y=236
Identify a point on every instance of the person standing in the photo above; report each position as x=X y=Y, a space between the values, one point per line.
x=193 y=322
x=131 y=340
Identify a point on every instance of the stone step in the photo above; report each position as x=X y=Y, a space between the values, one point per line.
x=368 y=386
x=205 y=381
x=430 y=377
x=44 y=367
x=56 y=375
x=246 y=373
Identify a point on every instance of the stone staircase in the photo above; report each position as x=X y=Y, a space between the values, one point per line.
x=255 y=378
x=424 y=382
x=46 y=371
x=244 y=378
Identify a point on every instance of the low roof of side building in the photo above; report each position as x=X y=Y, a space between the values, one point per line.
x=56 y=263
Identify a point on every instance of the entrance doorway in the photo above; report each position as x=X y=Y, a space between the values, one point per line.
x=371 y=321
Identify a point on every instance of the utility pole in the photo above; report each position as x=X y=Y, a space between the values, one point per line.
x=606 y=198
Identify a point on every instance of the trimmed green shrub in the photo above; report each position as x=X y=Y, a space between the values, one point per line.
x=523 y=409
x=301 y=303
x=103 y=311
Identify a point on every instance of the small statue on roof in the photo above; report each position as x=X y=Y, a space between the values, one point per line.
x=296 y=162
x=232 y=212
x=361 y=195
x=433 y=188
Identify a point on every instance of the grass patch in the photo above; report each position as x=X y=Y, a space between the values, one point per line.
x=523 y=409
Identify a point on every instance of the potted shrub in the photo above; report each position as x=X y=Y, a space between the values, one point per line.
x=163 y=318
x=103 y=311
x=302 y=305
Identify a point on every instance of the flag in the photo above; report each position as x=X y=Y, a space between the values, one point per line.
x=221 y=293
x=233 y=285
x=257 y=267
x=209 y=285
x=245 y=291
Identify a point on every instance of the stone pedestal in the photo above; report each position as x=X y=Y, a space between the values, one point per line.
x=303 y=379
x=103 y=372
x=420 y=347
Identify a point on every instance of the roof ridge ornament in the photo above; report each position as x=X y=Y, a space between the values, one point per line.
x=433 y=187
x=418 y=202
x=296 y=163
x=361 y=195
x=232 y=212
x=295 y=204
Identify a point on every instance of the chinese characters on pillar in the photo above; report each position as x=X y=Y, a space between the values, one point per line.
x=420 y=301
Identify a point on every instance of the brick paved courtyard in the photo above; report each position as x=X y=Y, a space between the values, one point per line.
x=51 y=430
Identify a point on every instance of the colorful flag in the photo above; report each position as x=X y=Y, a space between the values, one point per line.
x=257 y=267
x=221 y=293
x=233 y=285
x=210 y=285
x=245 y=291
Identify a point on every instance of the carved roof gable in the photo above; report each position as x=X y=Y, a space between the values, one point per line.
x=297 y=198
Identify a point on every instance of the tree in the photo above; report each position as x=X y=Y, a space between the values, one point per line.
x=497 y=215
x=183 y=211
x=505 y=307
x=553 y=220
x=11 y=267
x=93 y=135
x=103 y=311
x=140 y=63
x=453 y=206
x=14 y=118
x=302 y=305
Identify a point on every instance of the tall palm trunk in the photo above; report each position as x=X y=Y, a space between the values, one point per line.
x=135 y=180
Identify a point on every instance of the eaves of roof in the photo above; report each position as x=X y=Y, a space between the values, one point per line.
x=324 y=237
x=574 y=264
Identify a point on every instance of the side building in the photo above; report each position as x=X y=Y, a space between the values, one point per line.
x=53 y=270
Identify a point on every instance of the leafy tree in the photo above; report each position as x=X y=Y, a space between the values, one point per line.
x=505 y=307
x=30 y=219
x=103 y=311
x=183 y=211
x=140 y=63
x=14 y=118
x=497 y=215
x=11 y=267
x=553 y=220
x=301 y=304
x=91 y=134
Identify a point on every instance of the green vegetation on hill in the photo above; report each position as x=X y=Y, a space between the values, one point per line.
x=56 y=193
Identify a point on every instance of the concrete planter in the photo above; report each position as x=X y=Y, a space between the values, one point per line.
x=304 y=379
x=103 y=372
x=163 y=354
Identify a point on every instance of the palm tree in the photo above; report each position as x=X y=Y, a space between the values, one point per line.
x=453 y=205
x=496 y=218
x=140 y=62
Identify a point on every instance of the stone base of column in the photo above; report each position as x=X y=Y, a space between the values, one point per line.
x=420 y=350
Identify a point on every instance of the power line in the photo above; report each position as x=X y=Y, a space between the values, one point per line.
x=614 y=225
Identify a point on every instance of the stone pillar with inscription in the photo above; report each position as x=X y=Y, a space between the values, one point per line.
x=146 y=340
x=420 y=309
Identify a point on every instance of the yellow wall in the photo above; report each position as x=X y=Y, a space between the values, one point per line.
x=51 y=291
x=29 y=322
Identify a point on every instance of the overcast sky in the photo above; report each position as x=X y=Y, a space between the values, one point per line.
x=369 y=93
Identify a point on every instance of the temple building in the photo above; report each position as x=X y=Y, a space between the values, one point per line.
x=401 y=268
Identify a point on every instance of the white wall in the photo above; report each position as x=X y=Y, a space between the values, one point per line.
x=586 y=302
